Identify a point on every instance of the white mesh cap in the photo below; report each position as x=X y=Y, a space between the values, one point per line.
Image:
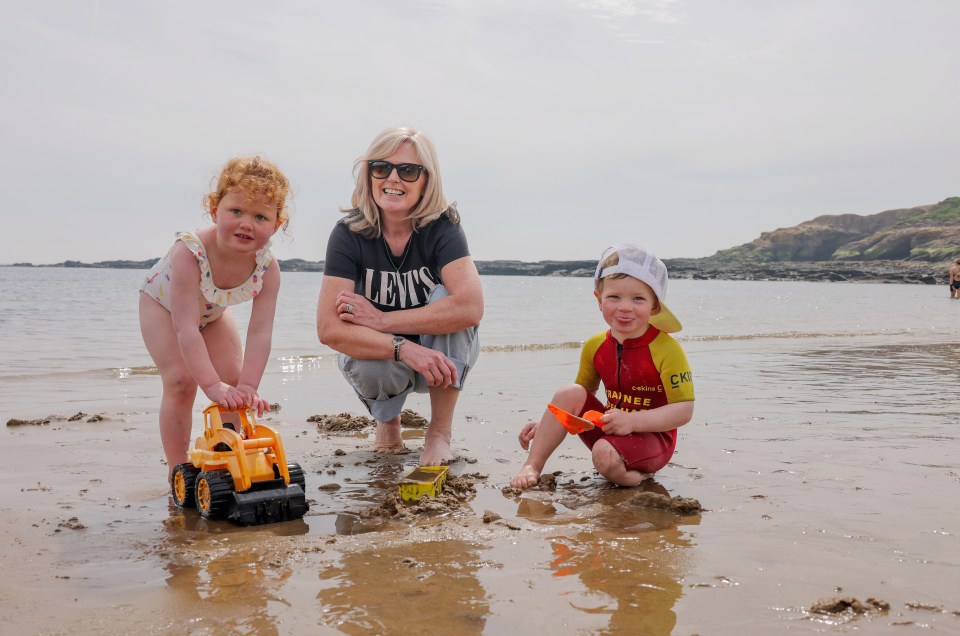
x=637 y=262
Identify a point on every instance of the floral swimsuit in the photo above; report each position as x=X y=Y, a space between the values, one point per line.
x=213 y=300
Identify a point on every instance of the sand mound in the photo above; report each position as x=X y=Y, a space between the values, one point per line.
x=679 y=505
x=345 y=422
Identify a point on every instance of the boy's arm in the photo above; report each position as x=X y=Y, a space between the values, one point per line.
x=587 y=375
x=660 y=419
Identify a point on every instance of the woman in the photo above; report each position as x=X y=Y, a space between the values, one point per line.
x=401 y=297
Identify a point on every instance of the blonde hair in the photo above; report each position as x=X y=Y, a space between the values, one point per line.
x=255 y=176
x=364 y=216
x=610 y=261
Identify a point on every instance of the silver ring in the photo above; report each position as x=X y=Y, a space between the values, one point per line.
x=349 y=308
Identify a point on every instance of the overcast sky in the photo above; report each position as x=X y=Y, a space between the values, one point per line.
x=562 y=126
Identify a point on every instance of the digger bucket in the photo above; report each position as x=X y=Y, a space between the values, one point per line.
x=268 y=505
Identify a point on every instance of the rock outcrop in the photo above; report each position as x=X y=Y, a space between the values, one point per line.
x=914 y=272
x=926 y=233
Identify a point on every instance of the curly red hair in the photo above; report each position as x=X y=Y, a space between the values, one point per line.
x=255 y=176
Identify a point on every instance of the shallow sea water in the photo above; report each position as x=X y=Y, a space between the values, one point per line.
x=823 y=450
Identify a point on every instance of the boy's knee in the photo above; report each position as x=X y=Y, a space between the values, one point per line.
x=605 y=457
x=570 y=393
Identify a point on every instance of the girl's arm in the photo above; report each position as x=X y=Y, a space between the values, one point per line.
x=185 y=313
x=259 y=339
x=660 y=419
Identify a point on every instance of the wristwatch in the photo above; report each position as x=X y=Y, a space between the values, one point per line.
x=397 y=343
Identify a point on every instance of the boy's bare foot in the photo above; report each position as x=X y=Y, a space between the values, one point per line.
x=527 y=477
x=436 y=449
x=387 y=438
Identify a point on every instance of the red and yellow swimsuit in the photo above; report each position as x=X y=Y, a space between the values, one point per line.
x=639 y=374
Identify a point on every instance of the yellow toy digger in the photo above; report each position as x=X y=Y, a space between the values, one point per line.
x=240 y=475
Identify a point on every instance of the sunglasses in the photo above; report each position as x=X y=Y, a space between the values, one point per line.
x=408 y=172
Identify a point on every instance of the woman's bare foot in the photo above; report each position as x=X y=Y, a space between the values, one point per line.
x=436 y=449
x=387 y=438
x=527 y=477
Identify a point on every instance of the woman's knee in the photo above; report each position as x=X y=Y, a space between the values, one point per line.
x=376 y=379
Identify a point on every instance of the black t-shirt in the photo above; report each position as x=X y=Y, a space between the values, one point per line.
x=405 y=281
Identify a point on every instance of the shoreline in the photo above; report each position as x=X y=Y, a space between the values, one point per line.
x=708 y=268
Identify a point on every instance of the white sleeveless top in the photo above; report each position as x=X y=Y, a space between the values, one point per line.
x=213 y=300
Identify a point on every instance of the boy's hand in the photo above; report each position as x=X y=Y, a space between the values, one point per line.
x=617 y=422
x=527 y=434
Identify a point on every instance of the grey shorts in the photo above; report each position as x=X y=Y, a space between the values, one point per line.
x=383 y=385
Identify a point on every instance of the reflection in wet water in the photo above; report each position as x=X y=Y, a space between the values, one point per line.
x=636 y=579
x=631 y=560
x=223 y=577
x=427 y=588
x=184 y=525
x=229 y=594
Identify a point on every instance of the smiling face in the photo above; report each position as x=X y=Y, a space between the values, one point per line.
x=394 y=197
x=244 y=223
x=627 y=304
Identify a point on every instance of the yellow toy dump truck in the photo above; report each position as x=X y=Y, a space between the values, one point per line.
x=240 y=475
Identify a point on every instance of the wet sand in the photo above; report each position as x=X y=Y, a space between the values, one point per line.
x=815 y=518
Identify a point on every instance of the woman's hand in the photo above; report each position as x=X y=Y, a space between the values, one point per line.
x=528 y=433
x=356 y=309
x=436 y=368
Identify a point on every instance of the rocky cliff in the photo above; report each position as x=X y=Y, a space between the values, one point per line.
x=927 y=233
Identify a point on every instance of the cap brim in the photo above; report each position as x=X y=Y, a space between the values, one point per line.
x=664 y=320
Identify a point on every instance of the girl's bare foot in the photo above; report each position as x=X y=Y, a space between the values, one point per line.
x=436 y=449
x=527 y=477
x=387 y=438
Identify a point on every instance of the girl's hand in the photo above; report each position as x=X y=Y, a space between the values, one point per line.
x=528 y=433
x=253 y=400
x=617 y=422
x=228 y=397
x=356 y=309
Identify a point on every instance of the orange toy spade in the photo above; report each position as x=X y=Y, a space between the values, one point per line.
x=576 y=425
